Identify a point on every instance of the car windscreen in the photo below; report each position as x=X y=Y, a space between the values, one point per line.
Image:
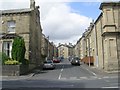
x=76 y=58
x=49 y=61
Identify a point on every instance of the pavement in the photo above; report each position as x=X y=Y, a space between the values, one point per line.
x=95 y=71
x=99 y=71
x=22 y=77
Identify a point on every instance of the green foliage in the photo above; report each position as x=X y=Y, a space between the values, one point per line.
x=3 y=57
x=11 y=62
x=18 y=50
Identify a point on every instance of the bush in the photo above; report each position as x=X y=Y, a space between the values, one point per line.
x=3 y=57
x=11 y=62
x=18 y=50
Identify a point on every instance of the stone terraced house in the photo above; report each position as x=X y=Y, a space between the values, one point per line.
x=24 y=23
x=102 y=39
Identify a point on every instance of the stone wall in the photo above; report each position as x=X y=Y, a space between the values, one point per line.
x=14 y=70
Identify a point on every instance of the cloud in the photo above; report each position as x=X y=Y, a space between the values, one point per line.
x=58 y=20
x=14 y=4
x=61 y=23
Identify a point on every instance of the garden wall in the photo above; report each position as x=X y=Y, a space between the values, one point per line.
x=14 y=70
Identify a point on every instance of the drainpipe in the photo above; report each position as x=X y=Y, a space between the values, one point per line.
x=89 y=49
x=48 y=47
x=102 y=44
x=96 y=45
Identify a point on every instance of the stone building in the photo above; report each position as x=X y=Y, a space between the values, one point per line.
x=110 y=32
x=52 y=50
x=65 y=50
x=55 y=51
x=48 y=49
x=77 y=49
x=24 y=23
x=102 y=38
x=44 y=47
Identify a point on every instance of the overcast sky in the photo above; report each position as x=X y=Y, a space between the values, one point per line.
x=63 y=22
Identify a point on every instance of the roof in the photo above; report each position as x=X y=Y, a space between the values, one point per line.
x=14 y=11
x=65 y=45
x=109 y=4
x=98 y=18
x=9 y=36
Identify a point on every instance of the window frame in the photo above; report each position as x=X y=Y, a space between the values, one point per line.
x=11 y=24
x=7 y=48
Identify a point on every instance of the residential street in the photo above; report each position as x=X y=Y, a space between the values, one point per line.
x=63 y=76
x=65 y=35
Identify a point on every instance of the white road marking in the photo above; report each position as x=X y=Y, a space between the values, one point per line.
x=113 y=77
x=99 y=78
x=60 y=73
x=110 y=77
x=107 y=80
x=60 y=76
x=61 y=69
x=93 y=77
x=73 y=77
x=106 y=77
x=110 y=87
x=80 y=78
x=83 y=77
x=63 y=79
x=93 y=73
x=89 y=71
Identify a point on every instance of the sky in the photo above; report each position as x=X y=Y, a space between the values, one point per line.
x=63 y=21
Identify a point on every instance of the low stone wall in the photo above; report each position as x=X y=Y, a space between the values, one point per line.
x=14 y=70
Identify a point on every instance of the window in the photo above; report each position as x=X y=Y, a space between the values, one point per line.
x=7 y=47
x=11 y=26
x=112 y=48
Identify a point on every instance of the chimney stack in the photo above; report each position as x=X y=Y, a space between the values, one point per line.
x=32 y=4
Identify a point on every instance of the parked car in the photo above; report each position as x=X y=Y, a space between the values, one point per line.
x=56 y=60
x=75 y=61
x=61 y=58
x=70 y=58
x=48 y=64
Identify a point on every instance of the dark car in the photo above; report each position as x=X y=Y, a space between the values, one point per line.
x=48 y=64
x=56 y=60
x=75 y=61
x=61 y=58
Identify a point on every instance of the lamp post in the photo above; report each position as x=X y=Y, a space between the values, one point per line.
x=89 y=50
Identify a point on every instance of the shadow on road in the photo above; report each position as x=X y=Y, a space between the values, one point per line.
x=41 y=85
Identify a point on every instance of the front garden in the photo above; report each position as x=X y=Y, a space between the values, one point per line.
x=17 y=64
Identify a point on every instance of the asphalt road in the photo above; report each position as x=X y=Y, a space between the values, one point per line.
x=64 y=76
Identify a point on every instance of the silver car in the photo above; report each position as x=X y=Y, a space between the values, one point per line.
x=48 y=64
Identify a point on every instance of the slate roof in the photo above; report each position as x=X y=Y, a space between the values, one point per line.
x=15 y=11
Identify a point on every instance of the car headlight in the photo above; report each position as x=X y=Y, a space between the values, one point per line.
x=76 y=61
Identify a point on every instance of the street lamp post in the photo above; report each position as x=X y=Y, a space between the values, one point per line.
x=89 y=50
x=89 y=55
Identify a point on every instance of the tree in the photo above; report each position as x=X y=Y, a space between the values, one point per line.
x=18 y=50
